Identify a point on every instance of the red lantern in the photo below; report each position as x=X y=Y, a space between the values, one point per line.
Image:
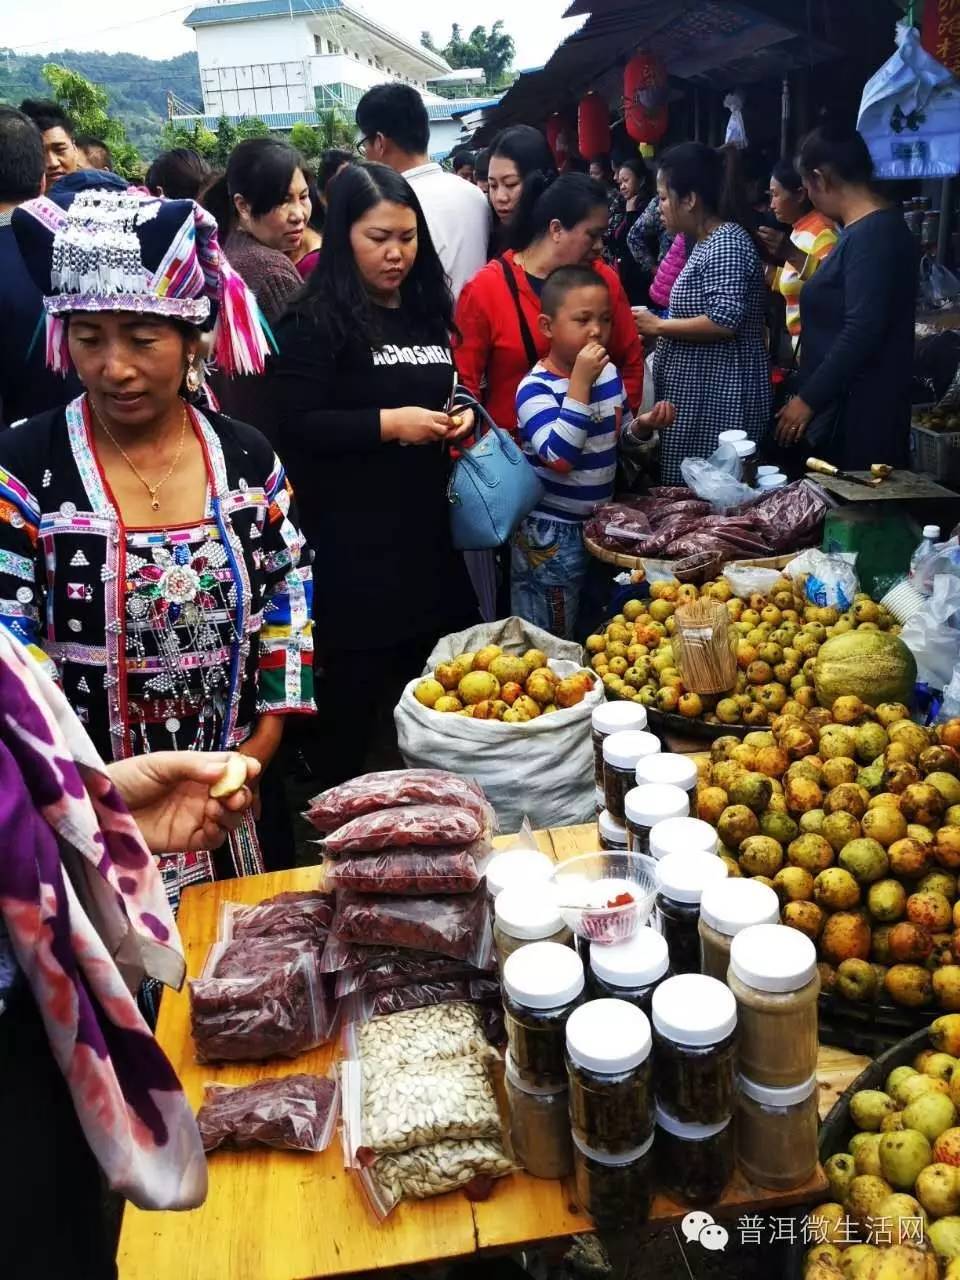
x=556 y=138
x=645 y=95
x=593 y=126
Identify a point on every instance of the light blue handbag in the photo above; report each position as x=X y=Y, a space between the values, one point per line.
x=492 y=487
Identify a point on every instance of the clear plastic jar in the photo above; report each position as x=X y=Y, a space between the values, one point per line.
x=694 y=1047
x=542 y=985
x=773 y=974
x=521 y=915
x=622 y=752
x=610 y=834
x=747 y=451
x=777 y=1132
x=616 y=1191
x=683 y=835
x=516 y=866
x=681 y=880
x=599 y=800
x=694 y=1161
x=608 y=718
x=609 y=1074
x=630 y=970
x=649 y=804
x=726 y=909
x=539 y=1126
x=671 y=771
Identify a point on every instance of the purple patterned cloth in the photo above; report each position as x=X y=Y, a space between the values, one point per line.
x=86 y=914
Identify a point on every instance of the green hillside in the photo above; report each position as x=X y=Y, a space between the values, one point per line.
x=137 y=87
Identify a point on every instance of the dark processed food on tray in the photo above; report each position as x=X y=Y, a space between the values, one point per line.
x=406 y=871
x=278 y=1013
x=417 y=995
x=457 y=926
x=306 y=914
x=425 y=824
x=393 y=789
x=294 y=1113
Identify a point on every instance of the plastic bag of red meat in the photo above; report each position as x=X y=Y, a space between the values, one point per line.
x=299 y=914
x=294 y=1113
x=406 y=871
x=246 y=956
x=618 y=526
x=457 y=926
x=392 y=789
x=363 y=1005
x=279 y=1013
x=355 y=967
x=791 y=517
x=423 y=824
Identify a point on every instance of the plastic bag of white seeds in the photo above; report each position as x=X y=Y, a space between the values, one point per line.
x=432 y=1170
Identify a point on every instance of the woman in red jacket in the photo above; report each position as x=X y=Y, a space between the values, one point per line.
x=500 y=338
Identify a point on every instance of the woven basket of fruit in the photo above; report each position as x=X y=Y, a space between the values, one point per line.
x=891 y=1151
x=696 y=568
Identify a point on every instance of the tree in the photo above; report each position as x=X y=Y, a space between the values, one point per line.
x=86 y=104
x=493 y=50
x=331 y=130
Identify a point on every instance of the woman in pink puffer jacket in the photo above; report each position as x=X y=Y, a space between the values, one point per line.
x=674 y=260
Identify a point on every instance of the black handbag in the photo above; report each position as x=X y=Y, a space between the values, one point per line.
x=529 y=346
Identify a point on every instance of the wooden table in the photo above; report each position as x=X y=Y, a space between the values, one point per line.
x=278 y=1215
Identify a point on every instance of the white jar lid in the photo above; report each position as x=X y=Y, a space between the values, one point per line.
x=683 y=1129
x=776 y=481
x=676 y=771
x=931 y=531
x=626 y=748
x=745 y=448
x=543 y=975
x=777 y=1097
x=773 y=957
x=635 y=962
x=767 y=469
x=690 y=1008
x=523 y=913
x=683 y=835
x=682 y=877
x=650 y=803
x=731 y=437
x=517 y=866
x=735 y=904
x=536 y=1090
x=605 y=1157
x=611 y=829
x=611 y=717
x=608 y=1036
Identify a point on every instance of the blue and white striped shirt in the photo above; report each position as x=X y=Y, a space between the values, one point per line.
x=571 y=446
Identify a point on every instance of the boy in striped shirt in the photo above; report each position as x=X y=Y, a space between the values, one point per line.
x=570 y=412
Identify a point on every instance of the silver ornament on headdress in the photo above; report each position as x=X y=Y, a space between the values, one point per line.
x=97 y=250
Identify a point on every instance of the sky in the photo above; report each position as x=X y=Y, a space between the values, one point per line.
x=155 y=29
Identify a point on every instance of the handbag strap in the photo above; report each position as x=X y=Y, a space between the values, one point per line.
x=529 y=345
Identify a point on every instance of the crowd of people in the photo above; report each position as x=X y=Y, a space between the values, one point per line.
x=216 y=342
x=231 y=403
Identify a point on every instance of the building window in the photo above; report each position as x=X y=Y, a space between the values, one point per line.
x=317 y=44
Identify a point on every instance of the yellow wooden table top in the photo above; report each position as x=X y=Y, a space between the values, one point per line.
x=278 y=1215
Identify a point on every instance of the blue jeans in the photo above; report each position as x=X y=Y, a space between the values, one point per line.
x=548 y=563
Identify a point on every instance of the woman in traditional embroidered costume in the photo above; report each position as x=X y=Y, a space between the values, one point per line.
x=149 y=549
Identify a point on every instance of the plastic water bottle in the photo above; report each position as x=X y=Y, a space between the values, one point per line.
x=931 y=536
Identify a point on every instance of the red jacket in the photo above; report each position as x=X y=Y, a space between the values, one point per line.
x=490 y=356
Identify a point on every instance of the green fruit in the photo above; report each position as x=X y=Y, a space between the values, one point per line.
x=866 y=860
x=938 y=1190
x=761 y=856
x=811 y=822
x=865 y=1149
x=868 y=1107
x=856 y=979
x=872 y=741
x=836 y=890
x=947 y=785
x=779 y=826
x=840 y=1170
x=872 y=776
x=903 y=1155
x=753 y=790
x=896 y=1078
x=904 y=1216
x=944 y=1236
x=886 y=900
x=866 y=1191
x=931 y=1114
x=872 y=665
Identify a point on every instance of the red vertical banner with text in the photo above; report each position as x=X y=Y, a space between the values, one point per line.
x=940 y=33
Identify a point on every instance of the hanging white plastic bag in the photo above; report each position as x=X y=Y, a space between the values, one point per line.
x=933 y=634
x=711 y=480
x=910 y=114
x=736 y=128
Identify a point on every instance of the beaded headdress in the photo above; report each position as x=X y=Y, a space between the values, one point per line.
x=132 y=252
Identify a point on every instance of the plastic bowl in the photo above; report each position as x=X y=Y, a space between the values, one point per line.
x=585 y=887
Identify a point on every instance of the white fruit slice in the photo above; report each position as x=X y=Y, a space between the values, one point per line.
x=231 y=780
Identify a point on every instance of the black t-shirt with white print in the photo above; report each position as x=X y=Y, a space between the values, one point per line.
x=376 y=515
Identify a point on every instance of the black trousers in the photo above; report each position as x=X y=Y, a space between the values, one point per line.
x=51 y=1193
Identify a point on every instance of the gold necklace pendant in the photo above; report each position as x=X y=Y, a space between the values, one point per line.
x=152 y=489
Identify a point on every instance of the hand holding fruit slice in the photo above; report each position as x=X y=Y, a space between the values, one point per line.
x=233 y=777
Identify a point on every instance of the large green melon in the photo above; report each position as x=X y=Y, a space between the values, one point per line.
x=874 y=665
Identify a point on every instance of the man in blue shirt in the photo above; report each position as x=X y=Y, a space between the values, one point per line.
x=26 y=385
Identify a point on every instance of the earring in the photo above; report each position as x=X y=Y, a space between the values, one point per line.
x=193 y=378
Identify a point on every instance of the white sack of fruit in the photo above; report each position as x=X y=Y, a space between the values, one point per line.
x=509 y=705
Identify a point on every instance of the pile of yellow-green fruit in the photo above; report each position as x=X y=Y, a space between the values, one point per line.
x=894 y=1208
x=853 y=816
x=492 y=684
x=791 y=655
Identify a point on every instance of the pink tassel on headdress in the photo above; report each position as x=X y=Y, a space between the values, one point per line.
x=57 y=352
x=239 y=342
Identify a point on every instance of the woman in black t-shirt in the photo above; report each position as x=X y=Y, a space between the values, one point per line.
x=362 y=388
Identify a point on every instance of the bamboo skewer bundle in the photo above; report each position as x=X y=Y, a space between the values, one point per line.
x=703 y=646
